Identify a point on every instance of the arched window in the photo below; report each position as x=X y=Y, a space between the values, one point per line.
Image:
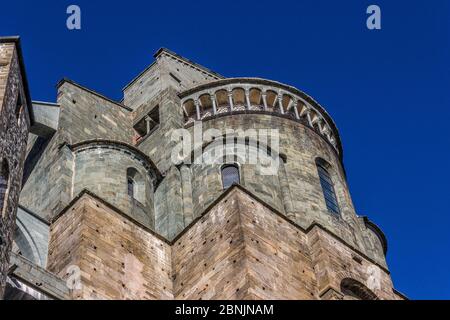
x=4 y=186
x=230 y=175
x=135 y=185
x=327 y=188
x=355 y=290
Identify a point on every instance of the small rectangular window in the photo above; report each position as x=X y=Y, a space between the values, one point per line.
x=147 y=124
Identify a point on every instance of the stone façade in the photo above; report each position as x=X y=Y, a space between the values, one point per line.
x=15 y=120
x=240 y=249
x=271 y=237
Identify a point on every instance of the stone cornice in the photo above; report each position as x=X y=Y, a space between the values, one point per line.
x=121 y=145
x=173 y=55
x=176 y=56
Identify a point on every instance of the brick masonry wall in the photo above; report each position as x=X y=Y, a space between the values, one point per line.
x=333 y=262
x=117 y=259
x=13 y=140
x=240 y=249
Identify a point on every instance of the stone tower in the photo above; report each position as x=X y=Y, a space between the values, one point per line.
x=15 y=121
x=113 y=208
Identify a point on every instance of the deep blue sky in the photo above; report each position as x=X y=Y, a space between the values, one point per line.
x=387 y=90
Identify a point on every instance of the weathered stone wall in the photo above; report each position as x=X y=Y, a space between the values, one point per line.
x=167 y=71
x=178 y=74
x=84 y=115
x=301 y=146
x=333 y=262
x=261 y=255
x=31 y=237
x=240 y=249
x=48 y=187
x=159 y=85
x=117 y=258
x=103 y=171
x=169 y=218
x=158 y=145
x=143 y=89
x=14 y=129
x=207 y=182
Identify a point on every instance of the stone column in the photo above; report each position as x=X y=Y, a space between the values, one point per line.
x=197 y=109
x=148 y=120
x=297 y=116
x=308 y=115
x=230 y=99
x=264 y=98
x=214 y=105
x=280 y=103
x=247 y=99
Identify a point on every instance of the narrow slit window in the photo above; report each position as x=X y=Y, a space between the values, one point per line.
x=136 y=186
x=328 y=190
x=131 y=187
x=4 y=186
x=19 y=106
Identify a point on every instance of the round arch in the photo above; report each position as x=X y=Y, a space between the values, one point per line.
x=354 y=290
x=25 y=245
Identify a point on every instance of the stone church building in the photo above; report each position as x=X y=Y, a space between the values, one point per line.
x=93 y=205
